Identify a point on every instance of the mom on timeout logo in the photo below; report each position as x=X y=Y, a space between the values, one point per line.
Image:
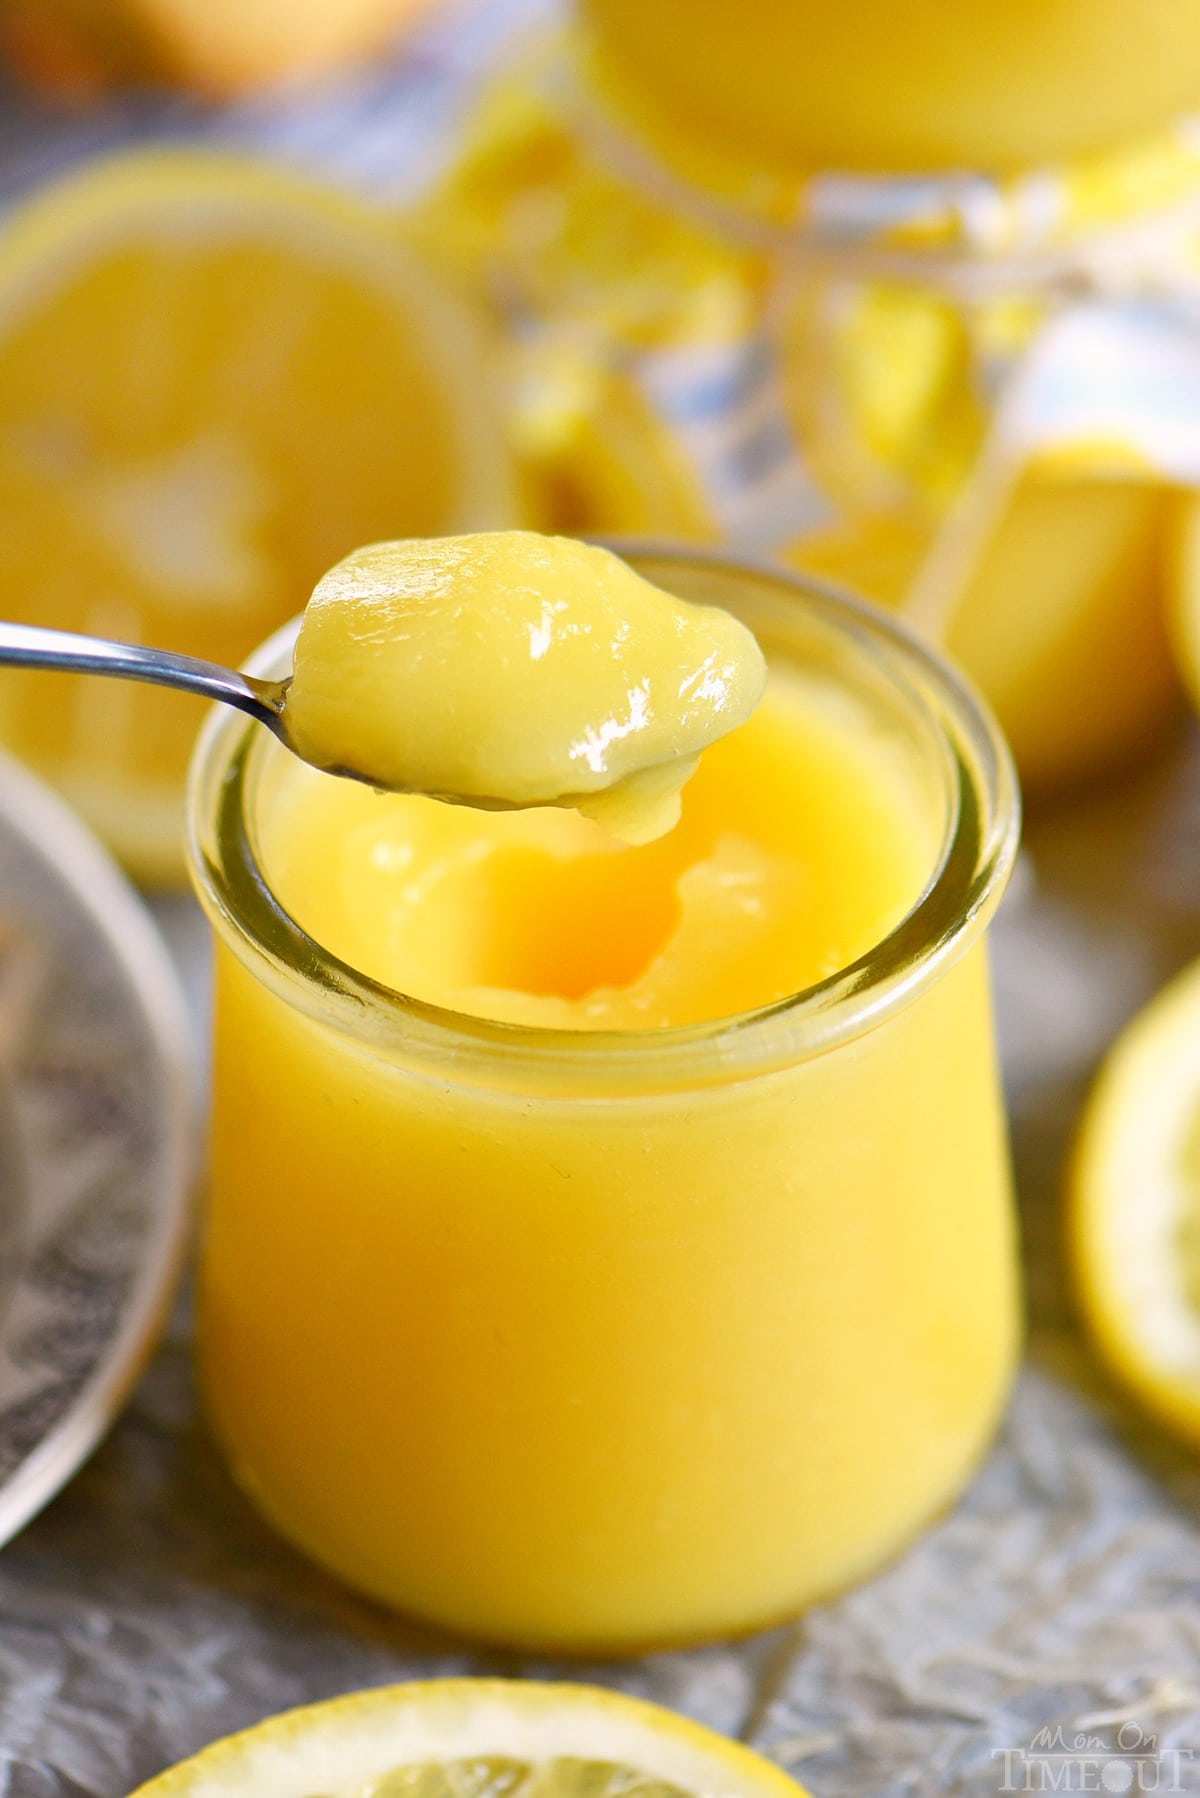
x=1126 y=1759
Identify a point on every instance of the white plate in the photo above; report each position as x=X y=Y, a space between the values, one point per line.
x=97 y=1136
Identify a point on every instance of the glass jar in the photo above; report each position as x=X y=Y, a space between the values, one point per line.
x=932 y=388
x=979 y=86
x=598 y=1341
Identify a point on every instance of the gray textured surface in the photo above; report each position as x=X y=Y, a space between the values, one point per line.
x=148 y=1610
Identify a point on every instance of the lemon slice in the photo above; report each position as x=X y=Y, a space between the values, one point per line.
x=216 y=379
x=602 y=460
x=1135 y=1207
x=476 y=1738
x=218 y=46
x=1062 y=625
x=1184 y=592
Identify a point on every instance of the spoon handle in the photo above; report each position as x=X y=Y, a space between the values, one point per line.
x=31 y=646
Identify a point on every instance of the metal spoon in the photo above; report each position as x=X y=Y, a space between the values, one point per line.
x=30 y=646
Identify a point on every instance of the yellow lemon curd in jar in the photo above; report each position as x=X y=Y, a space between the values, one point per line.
x=981 y=84
x=542 y=917
x=597 y=1366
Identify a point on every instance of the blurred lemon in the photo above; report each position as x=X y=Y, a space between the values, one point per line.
x=219 y=46
x=1135 y=1207
x=477 y=1738
x=610 y=465
x=1061 y=621
x=876 y=555
x=1053 y=596
x=216 y=379
x=1063 y=625
x=1184 y=589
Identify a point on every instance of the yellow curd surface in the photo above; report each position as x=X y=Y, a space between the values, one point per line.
x=798 y=849
x=600 y=1355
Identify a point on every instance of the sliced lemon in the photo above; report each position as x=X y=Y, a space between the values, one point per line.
x=216 y=378
x=1063 y=625
x=877 y=556
x=615 y=467
x=1135 y=1207
x=1183 y=615
x=218 y=46
x=476 y=1738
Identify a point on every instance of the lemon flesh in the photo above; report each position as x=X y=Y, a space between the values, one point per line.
x=510 y=670
x=216 y=378
x=476 y=1738
x=1135 y=1207
x=564 y=1776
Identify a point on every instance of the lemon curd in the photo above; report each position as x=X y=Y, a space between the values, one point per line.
x=984 y=84
x=506 y=669
x=797 y=850
x=611 y=1245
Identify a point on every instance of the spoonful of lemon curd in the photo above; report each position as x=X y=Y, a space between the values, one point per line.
x=505 y=670
x=509 y=670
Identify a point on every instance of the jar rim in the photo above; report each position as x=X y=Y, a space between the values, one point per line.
x=969 y=874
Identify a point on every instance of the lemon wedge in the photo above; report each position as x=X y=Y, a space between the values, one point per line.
x=1059 y=618
x=611 y=464
x=1062 y=625
x=217 y=46
x=476 y=1738
x=1135 y=1207
x=1183 y=615
x=216 y=379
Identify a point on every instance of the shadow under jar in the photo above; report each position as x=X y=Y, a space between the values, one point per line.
x=604 y=1340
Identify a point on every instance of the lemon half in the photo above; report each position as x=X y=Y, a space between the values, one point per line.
x=1184 y=577
x=216 y=379
x=476 y=1738
x=1135 y=1207
x=1062 y=625
x=217 y=46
